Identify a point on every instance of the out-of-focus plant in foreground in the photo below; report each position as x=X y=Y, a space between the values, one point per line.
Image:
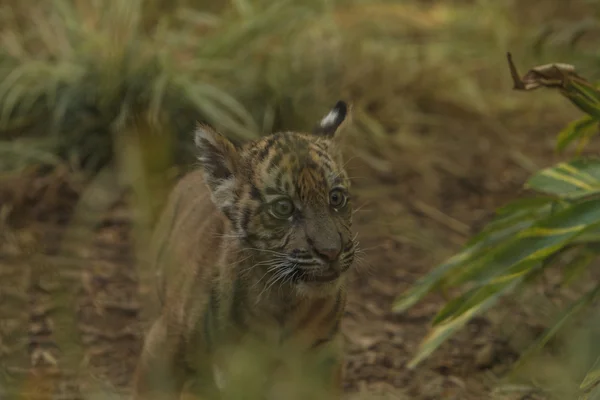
x=561 y=221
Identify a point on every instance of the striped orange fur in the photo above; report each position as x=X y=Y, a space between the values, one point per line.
x=252 y=252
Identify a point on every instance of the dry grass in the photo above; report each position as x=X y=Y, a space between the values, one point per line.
x=80 y=76
x=76 y=73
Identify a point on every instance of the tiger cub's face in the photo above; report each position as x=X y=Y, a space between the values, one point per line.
x=287 y=196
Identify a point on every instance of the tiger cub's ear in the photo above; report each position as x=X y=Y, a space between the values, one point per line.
x=330 y=124
x=219 y=159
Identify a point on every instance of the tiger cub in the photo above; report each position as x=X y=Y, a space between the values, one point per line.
x=253 y=250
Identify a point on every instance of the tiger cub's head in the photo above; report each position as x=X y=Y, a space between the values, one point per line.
x=287 y=196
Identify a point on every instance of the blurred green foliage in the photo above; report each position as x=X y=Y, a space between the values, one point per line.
x=74 y=74
x=531 y=234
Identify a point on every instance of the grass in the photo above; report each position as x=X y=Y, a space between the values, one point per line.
x=80 y=71
x=83 y=71
x=115 y=88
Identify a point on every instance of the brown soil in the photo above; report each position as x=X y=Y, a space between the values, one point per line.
x=49 y=274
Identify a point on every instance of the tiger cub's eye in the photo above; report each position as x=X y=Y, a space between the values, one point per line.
x=282 y=208
x=337 y=198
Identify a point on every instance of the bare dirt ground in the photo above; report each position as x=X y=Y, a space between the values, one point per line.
x=49 y=274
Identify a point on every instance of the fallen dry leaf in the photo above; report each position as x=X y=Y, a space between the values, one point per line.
x=577 y=89
x=547 y=75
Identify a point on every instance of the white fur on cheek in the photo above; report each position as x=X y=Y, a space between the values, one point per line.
x=222 y=195
x=329 y=119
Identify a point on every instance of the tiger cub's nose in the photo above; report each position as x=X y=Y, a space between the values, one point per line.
x=329 y=253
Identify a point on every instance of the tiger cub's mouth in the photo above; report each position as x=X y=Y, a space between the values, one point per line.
x=328 y=276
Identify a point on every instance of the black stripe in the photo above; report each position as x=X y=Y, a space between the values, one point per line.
x=279 y=180
x=349 y=245
x=286 y=239
x=338 y=181
x=264 y=151
x=237 y=305
x=275 y=161
x=333 y=314
x=319 y=342
x=228 y=212
x=287 y=186
x=272 y=191
x=209 y=320
x=332 y=332
x=245 y=220
x=335 y=328
x=336 y=307
x=322 y=154
x=271 y=223
x=252 y=239
x=255 y=193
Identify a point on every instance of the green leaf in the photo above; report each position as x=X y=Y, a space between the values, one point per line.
x=594 y=395
x=583 y=127
x=425 y=284
x=525 y=204
x=508 y=265
x=584 y=104
x=567 y=315
x=578 y=264
x=584 y=96
x=441 y=332
x=590 y=237
x=532 y=245
x=592 y=378
x=580 y=176
x=470 y=299
x=513 y=218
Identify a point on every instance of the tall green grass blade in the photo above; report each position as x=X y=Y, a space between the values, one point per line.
x=594 y=395
x=579 y=264
x=566 y=316
x=528 y=205
x=581 y=128
x=532 y=245
x=592 y=378
x=579 y=176
x=482 y=301
x=427 y=283
x=584 y=96
x=19 y=153
x=511 y=220
x=456 y=307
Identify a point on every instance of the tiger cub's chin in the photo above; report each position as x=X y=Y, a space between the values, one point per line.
x=320 y=288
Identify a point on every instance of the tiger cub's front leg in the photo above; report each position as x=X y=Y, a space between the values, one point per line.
x=159 y=374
